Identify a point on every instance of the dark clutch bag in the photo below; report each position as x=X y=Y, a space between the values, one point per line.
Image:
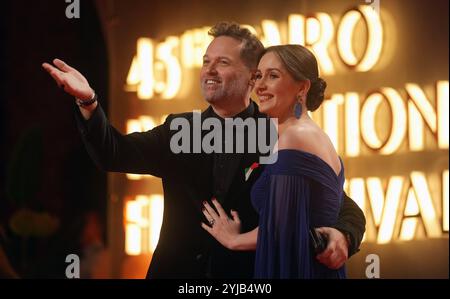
x=317 y=240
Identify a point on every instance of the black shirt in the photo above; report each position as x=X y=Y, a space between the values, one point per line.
x=222 y=171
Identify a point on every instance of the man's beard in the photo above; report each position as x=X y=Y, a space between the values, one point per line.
x=234 y=89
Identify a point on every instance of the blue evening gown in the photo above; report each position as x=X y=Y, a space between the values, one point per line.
x=297 y=192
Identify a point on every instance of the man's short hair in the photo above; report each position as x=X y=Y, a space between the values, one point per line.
x=252 y=47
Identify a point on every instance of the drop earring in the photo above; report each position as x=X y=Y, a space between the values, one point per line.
x=298 y=108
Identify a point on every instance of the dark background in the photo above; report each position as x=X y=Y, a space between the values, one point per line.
x=41 y=150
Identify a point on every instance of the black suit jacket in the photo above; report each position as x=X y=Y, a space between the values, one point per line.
x=184 y=249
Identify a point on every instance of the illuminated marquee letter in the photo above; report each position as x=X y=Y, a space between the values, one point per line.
x=411 y=212
x=141 y=70
x=398 y=115
x=170 y=67
x=296 y=25
x=385 y=208
x=442 y=107
x=357 y=192
x=271 y=33
x=144 y=69
x=142 y=124
x=420 y=204
x=352 y=138
x=143 y=223
x=136 y=225
x=319 y=35
x=425 y=203
x=445 y=201
x=374 y=38
x=193 y=47
x=330 y=118
x=419 y=109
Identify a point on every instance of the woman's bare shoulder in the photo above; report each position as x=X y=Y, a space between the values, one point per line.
x=301 y=137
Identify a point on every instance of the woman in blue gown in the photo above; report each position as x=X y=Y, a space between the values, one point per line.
x=303 y=188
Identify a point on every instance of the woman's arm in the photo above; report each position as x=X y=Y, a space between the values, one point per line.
x=245 y=241
x=227 y=230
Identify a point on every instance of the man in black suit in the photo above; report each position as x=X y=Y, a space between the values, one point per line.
x=185 y=250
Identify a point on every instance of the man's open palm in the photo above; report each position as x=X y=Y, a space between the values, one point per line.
x=69 y=79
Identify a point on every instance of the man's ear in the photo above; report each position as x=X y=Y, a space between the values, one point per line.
x=252 y=79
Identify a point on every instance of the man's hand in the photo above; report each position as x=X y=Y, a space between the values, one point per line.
x=69 y=79
x=336 y=253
